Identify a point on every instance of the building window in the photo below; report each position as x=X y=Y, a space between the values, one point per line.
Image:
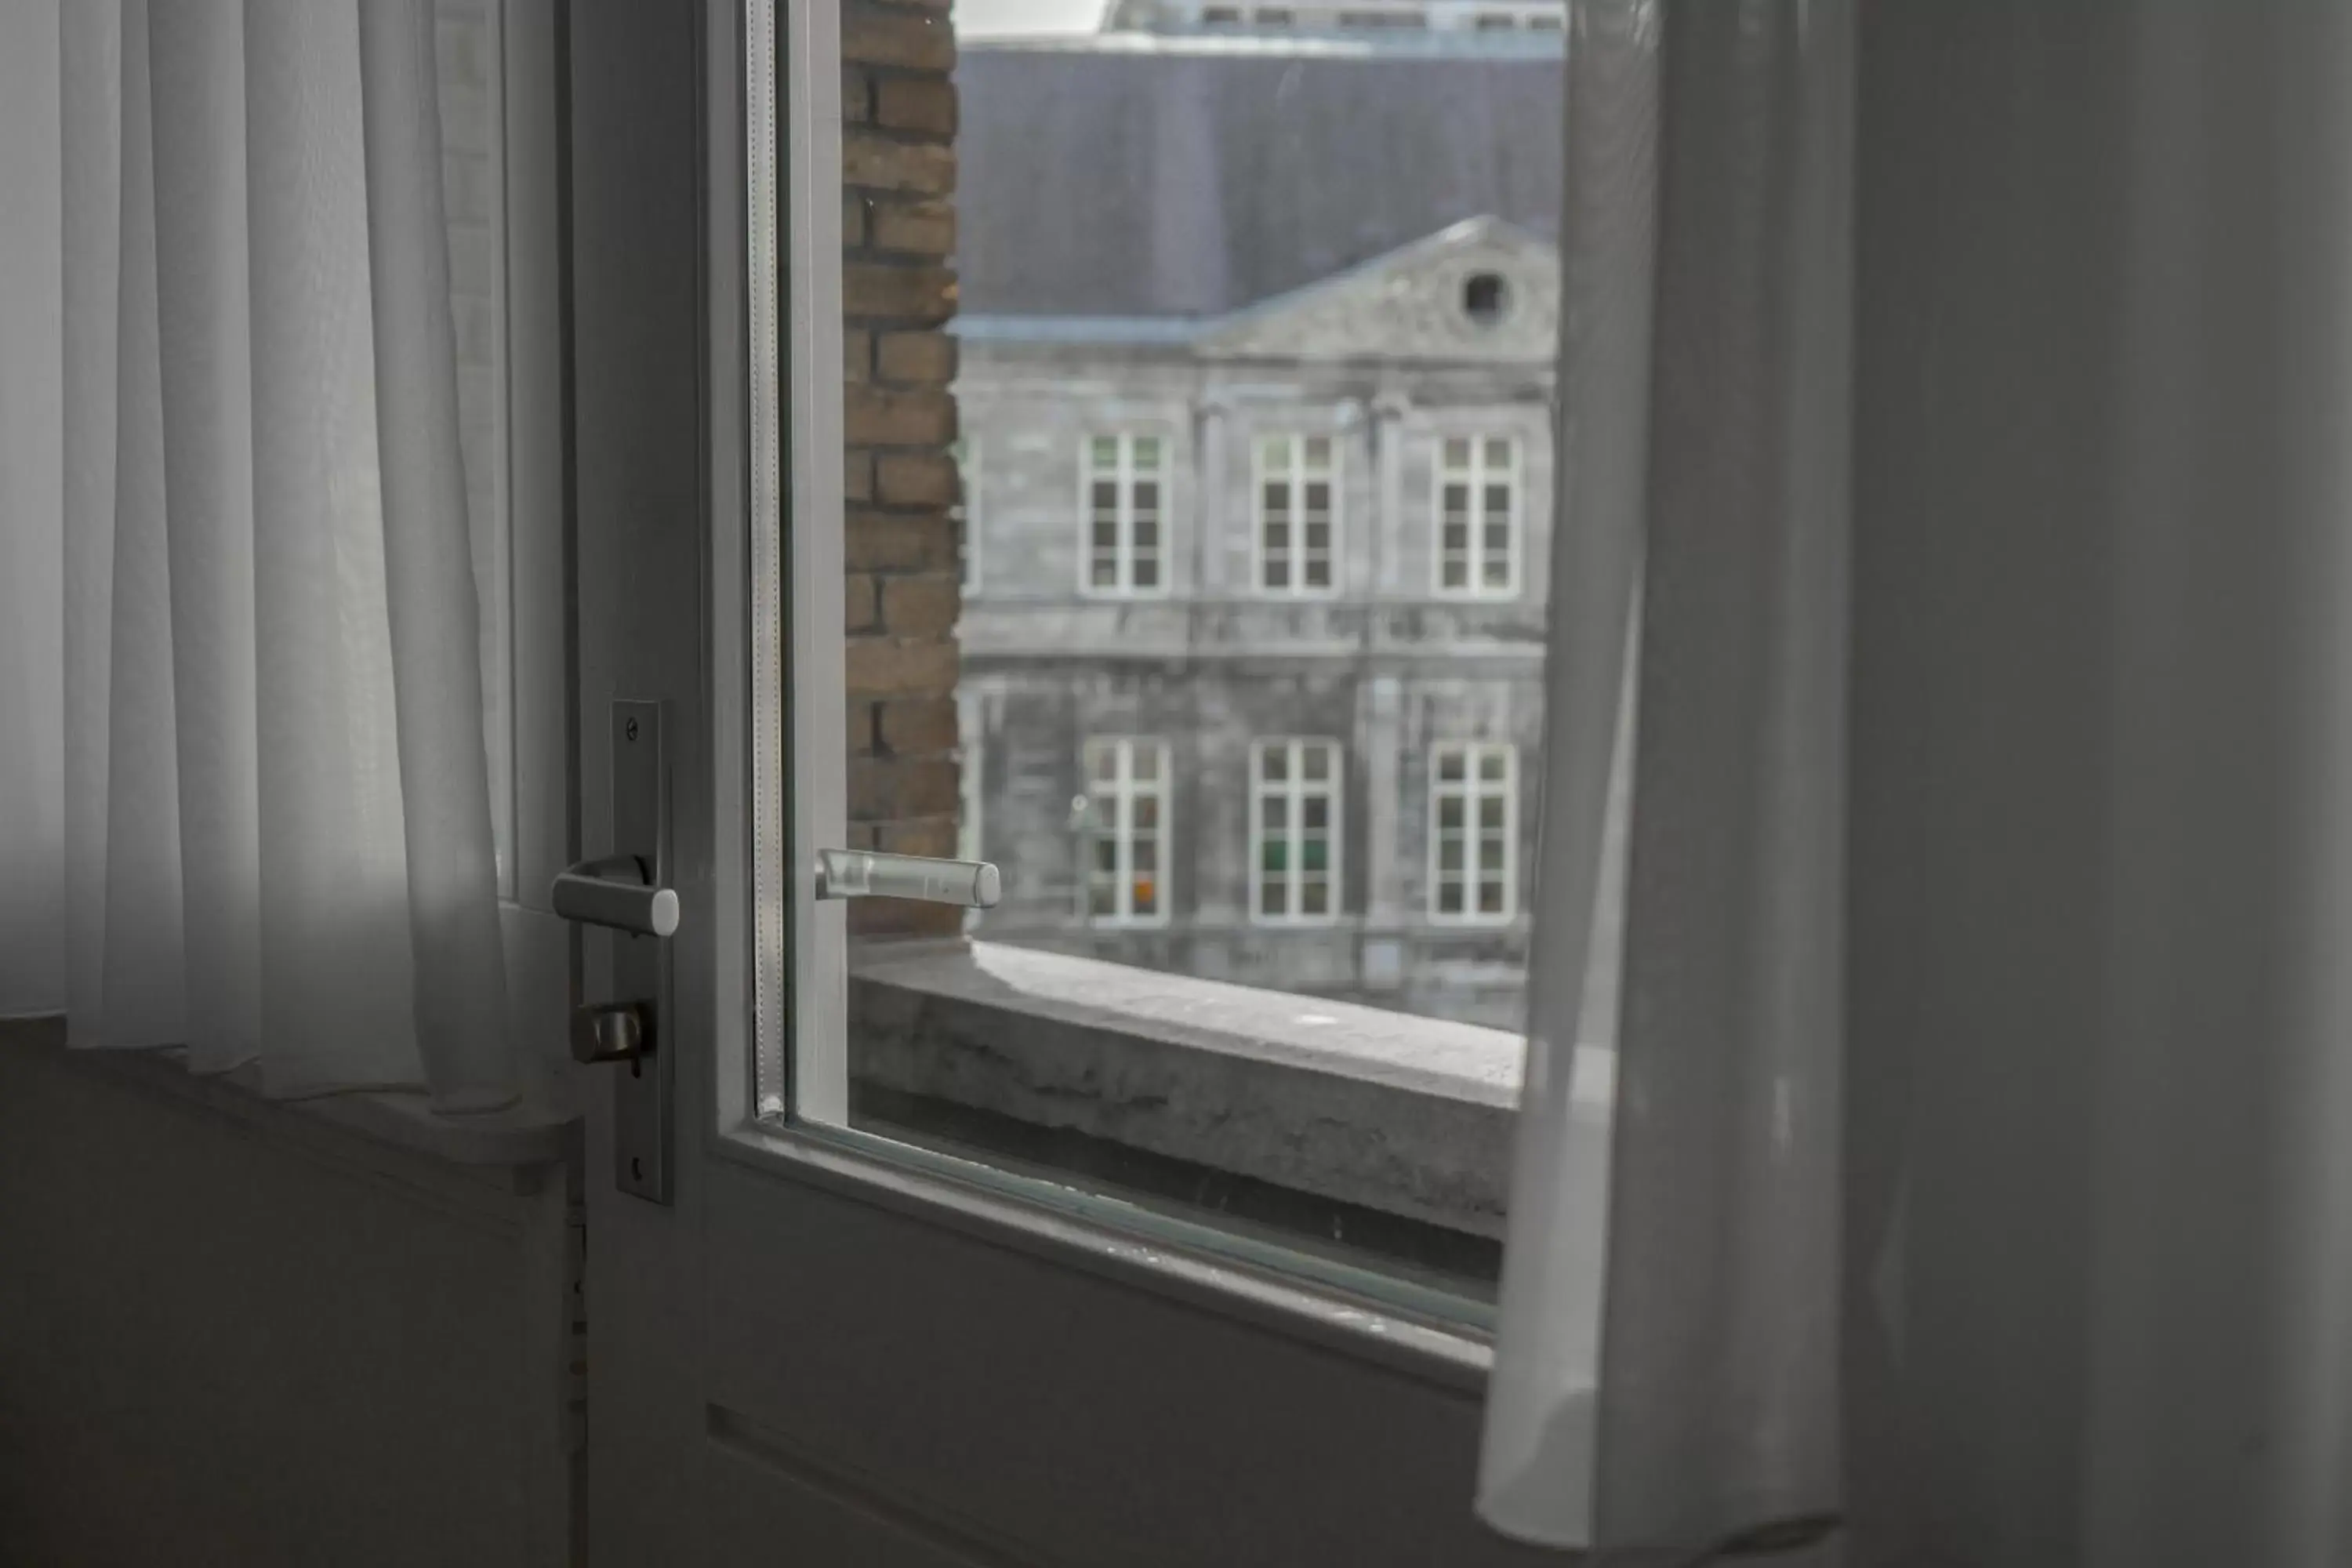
x=1293 y=828
x=1474 y=840
x=1126 y=831
x=1296 y=515
x=1124 y=504
x=1478 y=516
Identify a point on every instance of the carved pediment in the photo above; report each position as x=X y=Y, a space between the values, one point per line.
x=1480 y=290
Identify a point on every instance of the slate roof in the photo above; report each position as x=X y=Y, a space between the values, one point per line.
x=1183 y=179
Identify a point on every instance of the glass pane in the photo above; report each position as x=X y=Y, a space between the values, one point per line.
x=1172 y=672
x=1493 y=764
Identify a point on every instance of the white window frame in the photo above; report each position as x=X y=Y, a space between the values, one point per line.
x=1295 y=790
x=1124 y=788
x=1476 y=476
x=1471 y=789
x=1123 y=474
x=1295 y=479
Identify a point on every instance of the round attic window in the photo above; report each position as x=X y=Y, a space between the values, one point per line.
x=1485 y=297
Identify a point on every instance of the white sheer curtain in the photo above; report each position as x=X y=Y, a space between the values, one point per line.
x=247 y=801
x=1961 y=393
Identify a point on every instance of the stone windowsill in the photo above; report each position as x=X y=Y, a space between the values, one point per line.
x=1406 y=1115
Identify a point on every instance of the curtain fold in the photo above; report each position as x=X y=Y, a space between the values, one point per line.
x=1971 y=444
x=1706 y=434
x=277 y=843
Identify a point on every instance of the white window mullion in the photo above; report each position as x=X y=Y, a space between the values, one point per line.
x=1474 y=832
x=1294 y=807
x=1478 y=517
x=1295 y=515
x=1126 y=782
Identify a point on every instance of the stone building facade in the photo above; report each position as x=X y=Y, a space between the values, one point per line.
x=1408 y=666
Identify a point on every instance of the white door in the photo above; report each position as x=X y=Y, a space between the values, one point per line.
x=820 y=1346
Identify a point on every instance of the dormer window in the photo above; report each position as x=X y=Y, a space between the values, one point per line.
x=1486 y=296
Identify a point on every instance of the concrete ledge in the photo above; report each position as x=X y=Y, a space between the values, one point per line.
x=1406 y=1115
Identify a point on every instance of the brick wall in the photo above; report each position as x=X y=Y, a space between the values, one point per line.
x=898 y=169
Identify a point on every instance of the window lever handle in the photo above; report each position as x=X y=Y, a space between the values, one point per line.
x=868 y=874
x=615 y=892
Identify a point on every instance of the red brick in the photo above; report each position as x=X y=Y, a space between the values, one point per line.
x=936 y=835
x=914 y=228
x=883 y=38
x=861 y=725
x=857 y=356
x=857 y=475
x=903 y=918
x=853 y=219
x=918 y=479
x=916 y=103
x=857 y=96
x=879 y=417
x=886 y=666
x=911 y=294
x=891 y=787
x=881 y=163
x=918 y=726
x=859 y=610
x=920 y=606
x=895 y=541
x=916 y=356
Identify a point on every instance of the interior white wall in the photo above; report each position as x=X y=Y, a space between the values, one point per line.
x=233 y=1333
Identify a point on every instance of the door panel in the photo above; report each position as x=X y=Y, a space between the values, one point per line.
x=798 y=1361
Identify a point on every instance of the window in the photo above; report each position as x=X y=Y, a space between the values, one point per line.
x=1484 y=297
x=1473 y=826
x=1126 y=831
x=1478 y=517
x=1297 y=519
x=1294 y=831
x=1124 y=490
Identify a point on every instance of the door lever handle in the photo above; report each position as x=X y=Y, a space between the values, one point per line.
x=869 y=874
x=615 y=892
